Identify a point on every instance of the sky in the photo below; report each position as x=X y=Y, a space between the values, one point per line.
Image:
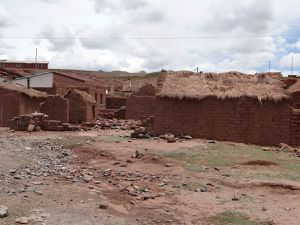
x=150 y=35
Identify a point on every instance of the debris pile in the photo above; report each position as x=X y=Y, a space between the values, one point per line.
x=39 y=121
x=113 y=113
x=30 y=122
x=116 y=124
x=140 y=186
x=52 y=160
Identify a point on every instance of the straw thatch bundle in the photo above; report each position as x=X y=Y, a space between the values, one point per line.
x=198 y=86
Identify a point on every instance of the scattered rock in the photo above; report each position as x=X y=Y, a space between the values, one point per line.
x=3 y=211
x=37 y=183
x=171 y=139
x=235 y=198
x=187 y=137
x=137 y=155
x=103 y=206
x=87 y=178
x=204 y=189
x=23 y=220
x=30 y=127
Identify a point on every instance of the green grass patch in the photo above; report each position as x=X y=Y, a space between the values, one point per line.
x=235 y=218
x=229 y=155
x=71 y=143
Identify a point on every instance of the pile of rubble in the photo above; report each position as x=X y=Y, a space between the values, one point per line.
x=114 y=124
x=50 y=159
x=113 y=113
x=137 y=185
x=39 y=121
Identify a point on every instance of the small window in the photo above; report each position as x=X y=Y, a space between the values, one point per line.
x=96 y=97
x=19 y=65
x=101 y=98
x=39 y=66
x=1 y=64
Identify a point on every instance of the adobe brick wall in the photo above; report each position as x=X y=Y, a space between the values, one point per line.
x=64 y=84
x=295 y=127
x=50 y=91
x=57 y=108
x=13 y=104
x=244 y=120
x=115 y=102
x=11 y=65
x=79 y=110
x=146 y=90
x=99 y=95
x=295 y=100
x=140 y=107
x=9 y=107
x=29 y=105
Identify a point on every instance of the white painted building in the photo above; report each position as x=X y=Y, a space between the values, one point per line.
x=41 y=80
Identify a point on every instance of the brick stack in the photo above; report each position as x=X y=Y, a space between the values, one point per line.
x=23 y=122
x=113 y=113
x=53 y=125
x=39 y=121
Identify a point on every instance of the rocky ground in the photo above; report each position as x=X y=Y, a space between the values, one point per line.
x=105 y=177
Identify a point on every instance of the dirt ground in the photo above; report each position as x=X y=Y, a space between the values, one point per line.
x=104 y=177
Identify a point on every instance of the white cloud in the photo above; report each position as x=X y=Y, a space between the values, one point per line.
x=286 y=61
x=115 y=22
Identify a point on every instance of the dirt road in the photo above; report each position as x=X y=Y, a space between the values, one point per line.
x=107 y=178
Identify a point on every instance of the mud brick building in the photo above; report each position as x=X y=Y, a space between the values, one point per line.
x=56 y=107
x=82 y=106
x=55 y=83
x=17 y=100
x=227 y=107
x=24 y=64
x=141 y=105
x=116 y=102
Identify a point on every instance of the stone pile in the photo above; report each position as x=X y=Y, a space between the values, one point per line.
x=113 y=113
x=39 y=121
x=116 y=124
x=140 y=186
x=52 y=159
x=30 y=122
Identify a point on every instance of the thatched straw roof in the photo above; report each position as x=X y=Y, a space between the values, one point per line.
x=221 y=85
x=84 y=95
x=23 y=90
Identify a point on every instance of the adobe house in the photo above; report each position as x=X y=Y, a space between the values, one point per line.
x=227 y=106
x=17 y=100
x=82 y=106
x=56 y=107
x=141 y=104
x=23 y=64
x=55 y=83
